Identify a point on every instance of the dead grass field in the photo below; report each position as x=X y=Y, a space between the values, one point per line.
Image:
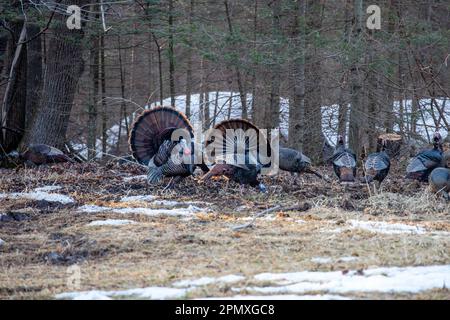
x=42 y=238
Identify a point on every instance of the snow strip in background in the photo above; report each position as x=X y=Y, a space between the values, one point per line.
x=110 y=222
x=166 y=203
x=323 y=260
x=2 y=242
x=144 y=211
x=395 y=279
x=208 y=280
x=40 y=194
x=155 y=293
x=425 y=127
x=387 y=228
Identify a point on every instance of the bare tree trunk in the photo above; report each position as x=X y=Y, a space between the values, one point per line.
x=255 y=66
x=171 y=56
x=92 y=108
x=103 y=86
x=161 y=88
x=273 y=116
x=357 y=108
x=297 y=105
x=313 y=94
x=62 y=72
x=12 y=112
x=189 y=62
x=34 y=72
x=240 y=82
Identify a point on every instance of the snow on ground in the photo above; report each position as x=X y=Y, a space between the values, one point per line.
x=289 y=285
x=2 y=242
x=388 y=280
x=138 y=198
x=110 y=222
x=144 y=211
x=165 y=203
x=208 y=280
x=155 y=293
x=139 y=177
x=40 y=194
x=321 y=260
x=387 y=228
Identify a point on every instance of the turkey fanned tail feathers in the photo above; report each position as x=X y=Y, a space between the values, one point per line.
x=151 y=143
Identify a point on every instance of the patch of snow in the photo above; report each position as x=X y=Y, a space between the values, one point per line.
x=140 y=177
x=47 y=188
x=38 y=195
x=2 y=242
x=281 y=297
x=110 y=222
x=300 y=221
x=387 y=228
x=145 y=211
x=92 y=208
x=155 y=293
x=208 y=280
x=321 y=260
x=138 y=198
x=347 y=259
x=393 y=279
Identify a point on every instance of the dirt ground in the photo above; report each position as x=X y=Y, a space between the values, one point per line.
x=42 y=239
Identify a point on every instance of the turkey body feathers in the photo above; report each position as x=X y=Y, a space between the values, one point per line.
x=421 y=165
x=377 y=166
x=344 y=164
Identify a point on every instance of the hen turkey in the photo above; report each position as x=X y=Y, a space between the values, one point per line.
x=344 y=162
x=377 y=164
x=420 y=167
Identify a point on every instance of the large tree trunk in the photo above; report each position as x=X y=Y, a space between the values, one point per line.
x=34 y=72
x=62 y=72
x=357 y=108
x=13 y=108
x=297 y=105
x=171 y=56
x=273 y=116
x=189 y=61
x=313 y=94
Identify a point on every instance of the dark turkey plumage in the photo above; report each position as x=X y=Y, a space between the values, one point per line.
x=294 y=161
x=377 y=164
x=422 y=164
x=38 y=154
x=152 y=143
x=229 y=165
x=344 y=162
x=440 y=181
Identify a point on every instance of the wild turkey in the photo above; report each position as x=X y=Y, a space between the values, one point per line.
x=294 y=161
x=38 y=154
x=151 y=144
x=420 y=167
x=344 y=162
x=440 y=182
x=242 y=167
x=377 y=164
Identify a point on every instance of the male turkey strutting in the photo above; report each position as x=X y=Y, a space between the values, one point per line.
x=152 y=144
x=242 y=166
x=420 y=167
x=377 y=164
x=344 y=162
x=294 y=161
